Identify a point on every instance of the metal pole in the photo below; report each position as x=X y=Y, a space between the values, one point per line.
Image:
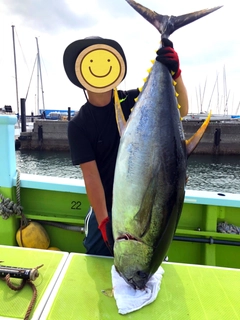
x=37 y=96
x=209 y=240
x=23 y=115
x=15 y=66
x=69 y=113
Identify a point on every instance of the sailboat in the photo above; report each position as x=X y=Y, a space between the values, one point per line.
x=37 y=63
x=22 y=124
x=215 y=117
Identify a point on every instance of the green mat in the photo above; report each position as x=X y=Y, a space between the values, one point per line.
x=187 y=292
x=14 y=304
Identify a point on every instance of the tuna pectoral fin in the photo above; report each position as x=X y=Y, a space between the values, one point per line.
x=194 y=140
x=144 y=215
x=120 y=119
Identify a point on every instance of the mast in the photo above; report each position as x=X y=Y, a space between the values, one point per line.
x=40 y=73
x=237 y=108
x=15 y=66
x=225 y=92
x=212 y=93
x=37 y=94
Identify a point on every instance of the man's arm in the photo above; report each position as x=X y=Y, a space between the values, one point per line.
x=96 y=196
x=94 y=189
x=169 y=57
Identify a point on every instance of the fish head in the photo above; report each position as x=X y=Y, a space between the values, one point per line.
x=137 y=273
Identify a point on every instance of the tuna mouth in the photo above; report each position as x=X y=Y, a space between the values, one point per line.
x=131 y=283
x=137 y=285
x=140 y=285
x=127 y=236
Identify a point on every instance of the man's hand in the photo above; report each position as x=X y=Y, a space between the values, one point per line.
x=169 y=57
x=106 y=229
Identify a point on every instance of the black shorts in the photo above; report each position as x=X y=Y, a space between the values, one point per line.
x=93 y=241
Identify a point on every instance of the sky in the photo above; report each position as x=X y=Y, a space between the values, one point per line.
x=208 y=49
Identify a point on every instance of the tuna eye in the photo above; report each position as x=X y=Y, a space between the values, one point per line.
x=142 y=274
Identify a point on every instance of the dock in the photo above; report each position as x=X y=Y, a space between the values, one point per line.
x=221 y=137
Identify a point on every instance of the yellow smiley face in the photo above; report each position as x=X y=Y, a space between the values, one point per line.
x=100 y=68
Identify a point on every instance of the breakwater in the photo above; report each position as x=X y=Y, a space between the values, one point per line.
x=220 y=137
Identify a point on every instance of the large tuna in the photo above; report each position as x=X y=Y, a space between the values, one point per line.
x=150 y=174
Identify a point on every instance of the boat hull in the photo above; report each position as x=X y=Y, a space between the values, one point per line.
x=196 y=240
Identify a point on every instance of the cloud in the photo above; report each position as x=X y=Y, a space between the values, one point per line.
x=49 y=15
x=116 y=8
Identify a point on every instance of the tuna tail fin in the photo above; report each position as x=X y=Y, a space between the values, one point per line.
x=195 y=139
x=166 y=25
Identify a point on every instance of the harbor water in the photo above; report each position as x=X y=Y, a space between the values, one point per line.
x=205 y=172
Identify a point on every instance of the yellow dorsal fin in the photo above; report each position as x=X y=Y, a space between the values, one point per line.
x=120 y=119
x=195 y=139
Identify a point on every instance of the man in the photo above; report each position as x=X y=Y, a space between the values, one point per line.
x=98 y=65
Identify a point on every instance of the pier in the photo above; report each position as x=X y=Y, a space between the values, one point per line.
x=221 y=137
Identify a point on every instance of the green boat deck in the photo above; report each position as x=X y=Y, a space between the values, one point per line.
x=70 y=287
x=187 y=292
x=14 y=304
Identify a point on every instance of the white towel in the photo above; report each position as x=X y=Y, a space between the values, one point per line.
x=129 y=299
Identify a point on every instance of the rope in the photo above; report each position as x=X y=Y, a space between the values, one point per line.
x=18 y=188
x=224 y=227
x=33 y=300
x=9 y=208
x=21 y=286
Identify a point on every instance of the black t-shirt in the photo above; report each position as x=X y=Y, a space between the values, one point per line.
x=93 y=135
